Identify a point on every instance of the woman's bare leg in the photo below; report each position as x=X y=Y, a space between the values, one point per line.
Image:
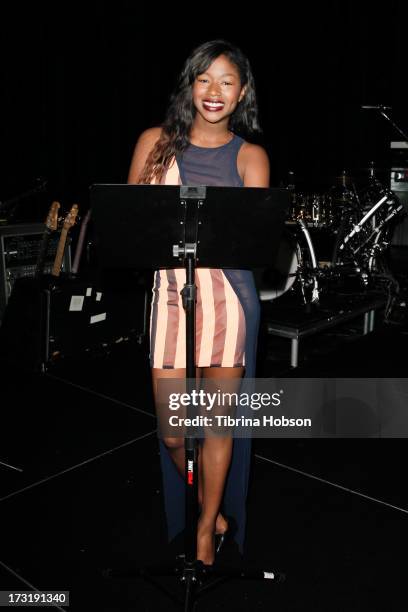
x=216 y=459
x=177 y=453
x=175 y=446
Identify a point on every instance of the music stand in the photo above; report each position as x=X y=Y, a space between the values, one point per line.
x=186 y=227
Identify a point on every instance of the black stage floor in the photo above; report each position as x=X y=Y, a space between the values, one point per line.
x=86 y=495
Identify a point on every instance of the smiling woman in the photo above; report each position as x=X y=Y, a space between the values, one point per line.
x=217 y=91
x=199 y=144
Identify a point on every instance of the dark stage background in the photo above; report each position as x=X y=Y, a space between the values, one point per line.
x=80 y=85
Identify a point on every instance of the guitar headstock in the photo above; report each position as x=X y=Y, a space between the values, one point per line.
x=70 y=218
x=51 y=221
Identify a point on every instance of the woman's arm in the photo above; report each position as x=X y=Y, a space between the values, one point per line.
x=255 y=166
x=144 y=145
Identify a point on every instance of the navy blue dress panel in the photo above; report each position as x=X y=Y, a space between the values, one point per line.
x=218 y=167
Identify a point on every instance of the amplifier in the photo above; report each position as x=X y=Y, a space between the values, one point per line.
x=19 y=249
x=399 y=185
x=48 y=319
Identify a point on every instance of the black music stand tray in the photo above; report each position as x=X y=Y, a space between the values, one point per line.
x=182 y=227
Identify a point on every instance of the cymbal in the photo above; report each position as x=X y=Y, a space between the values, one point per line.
x=343 y=179
x=351 y=204
x=376 y=169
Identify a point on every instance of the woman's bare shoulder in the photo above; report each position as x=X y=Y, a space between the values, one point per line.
x=144 y=145
x=150 y=136
x=253 y=151
x=254 y=162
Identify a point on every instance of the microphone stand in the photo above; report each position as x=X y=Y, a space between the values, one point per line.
x=381 y=108
x=399 y=130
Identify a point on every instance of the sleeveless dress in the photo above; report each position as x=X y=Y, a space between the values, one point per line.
x=227 y=326
x=220 y=318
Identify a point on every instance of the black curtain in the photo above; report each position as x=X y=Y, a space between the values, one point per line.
x=77 y=90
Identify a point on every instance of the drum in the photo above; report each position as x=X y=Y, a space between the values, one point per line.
x=295 y=268
x=314 y=209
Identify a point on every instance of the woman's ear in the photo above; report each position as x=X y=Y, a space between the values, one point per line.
x=242 y=94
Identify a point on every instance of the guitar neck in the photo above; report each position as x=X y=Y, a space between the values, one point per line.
x=56 y=269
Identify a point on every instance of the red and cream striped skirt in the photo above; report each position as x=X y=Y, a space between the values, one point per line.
x=220 y=321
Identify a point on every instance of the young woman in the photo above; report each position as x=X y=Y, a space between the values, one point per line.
x=198 y=144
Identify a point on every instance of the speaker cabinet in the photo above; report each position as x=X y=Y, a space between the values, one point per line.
x=19 y=249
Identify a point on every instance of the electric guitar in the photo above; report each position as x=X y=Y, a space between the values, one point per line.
x=69 y=222
x=51 y=225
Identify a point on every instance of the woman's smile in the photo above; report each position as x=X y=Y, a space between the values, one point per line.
x=213 y=105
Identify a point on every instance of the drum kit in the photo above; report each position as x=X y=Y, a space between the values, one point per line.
x=343 y=233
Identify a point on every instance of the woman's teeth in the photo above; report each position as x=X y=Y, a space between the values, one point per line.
x=213 y=105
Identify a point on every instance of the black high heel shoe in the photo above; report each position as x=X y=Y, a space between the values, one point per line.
x=222 y=538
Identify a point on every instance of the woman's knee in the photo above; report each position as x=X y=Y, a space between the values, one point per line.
x=173 y=443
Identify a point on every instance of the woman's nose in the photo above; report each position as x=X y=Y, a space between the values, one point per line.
x=214 y=89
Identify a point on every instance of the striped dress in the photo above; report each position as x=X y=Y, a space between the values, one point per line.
x=220 y=318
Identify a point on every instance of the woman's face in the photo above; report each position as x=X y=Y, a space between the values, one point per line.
x=217 y=92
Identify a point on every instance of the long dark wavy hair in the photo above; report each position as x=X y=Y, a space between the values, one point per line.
x=181 y=111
